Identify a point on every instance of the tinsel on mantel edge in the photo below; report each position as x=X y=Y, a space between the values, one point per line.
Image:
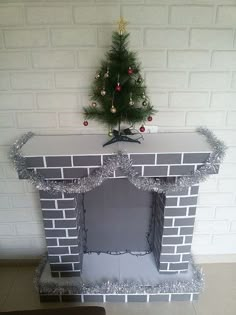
x=195 y=285
x=120 y=160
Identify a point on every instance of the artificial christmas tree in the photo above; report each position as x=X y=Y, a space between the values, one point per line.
x=118 y=92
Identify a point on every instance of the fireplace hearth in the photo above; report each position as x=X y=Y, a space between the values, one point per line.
x=142 y=235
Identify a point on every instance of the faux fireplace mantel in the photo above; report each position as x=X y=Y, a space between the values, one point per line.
x=165 y=155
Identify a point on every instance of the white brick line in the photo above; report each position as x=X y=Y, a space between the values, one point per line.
x=191 y=297
x=56 y=199
x=44 y=161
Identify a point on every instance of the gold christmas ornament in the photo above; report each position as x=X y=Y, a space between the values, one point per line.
x=113 y=109
x=103 y=92
x=122 y=25
x=131 y=102
x=97 y=76
x=110 y=133
x=106 y=75
x=94 y=104
x=144 y=103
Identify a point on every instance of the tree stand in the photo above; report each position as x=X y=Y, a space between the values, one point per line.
x=119 y=136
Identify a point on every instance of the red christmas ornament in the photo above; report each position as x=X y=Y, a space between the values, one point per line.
x=85 y=123
x=149 y=118
x=118 y=87
x=142 y=129
x=130 y=70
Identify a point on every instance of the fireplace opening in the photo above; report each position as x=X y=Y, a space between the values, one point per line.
x=118 y=217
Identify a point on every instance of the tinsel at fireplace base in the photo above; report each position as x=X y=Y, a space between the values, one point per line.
x=168 y=288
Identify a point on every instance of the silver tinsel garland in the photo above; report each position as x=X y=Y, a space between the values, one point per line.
x=121 y=160
x=116 y=287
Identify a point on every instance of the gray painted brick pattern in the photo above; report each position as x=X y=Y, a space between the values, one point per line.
x=155 y=171
x=181 y=170
x=169 y=158
x=212 y=170
x=184 y=222
x=61 y=267
x=58 y=161
x=171 y=202
x=178 y=266
x=137 y=298
x=188 y=201
x=70 y=258
x=68 y=241
x=75 y=172
x=167 y=249
x=170 y=258
x=48 y=204
x=192 y=211
x=48 y=195
x=93 y=298
x=88 y=160
x=159 y=298
x=180 y=297
x=49 y=173
x=195 y=157
x=167 y=222
x=34 y=162
x=52 y=214
x=142 y=159
x=70 y=273
x=182 y=192
x=115 y=298
x=58 y=250
x=194 y=190
x=186 y=231
x=66 y=204
x=48 y=224
x=70 y=213
x=183 y=249
x=188 y=240
x=172 y=242
x=175 y=212
x=170 y=231
x=51 y=241
x=65 y=223
x=55 y=233
x=168 y=240
x=71 y=298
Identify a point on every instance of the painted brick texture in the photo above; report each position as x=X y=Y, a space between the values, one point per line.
x=188 y=55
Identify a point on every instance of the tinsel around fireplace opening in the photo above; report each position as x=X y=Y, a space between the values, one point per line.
x=120 y=160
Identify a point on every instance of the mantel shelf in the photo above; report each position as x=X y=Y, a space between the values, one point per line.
x=57 y=145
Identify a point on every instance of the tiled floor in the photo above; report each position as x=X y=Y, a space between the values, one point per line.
x=219 y=298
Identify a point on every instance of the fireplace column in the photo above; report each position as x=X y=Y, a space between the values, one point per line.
x=63 y=223
x=175 y=221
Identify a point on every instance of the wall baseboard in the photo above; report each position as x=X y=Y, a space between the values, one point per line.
x=19 y=262
x=214 y=259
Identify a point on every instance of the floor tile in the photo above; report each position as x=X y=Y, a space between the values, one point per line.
x=7 y=278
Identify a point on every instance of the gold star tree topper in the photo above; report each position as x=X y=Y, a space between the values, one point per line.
x=122 y=23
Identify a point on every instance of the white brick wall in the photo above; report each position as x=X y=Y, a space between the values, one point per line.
x=48 y=56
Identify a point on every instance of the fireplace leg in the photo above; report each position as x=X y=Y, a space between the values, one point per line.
x=62 y=221
x=174 y=225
